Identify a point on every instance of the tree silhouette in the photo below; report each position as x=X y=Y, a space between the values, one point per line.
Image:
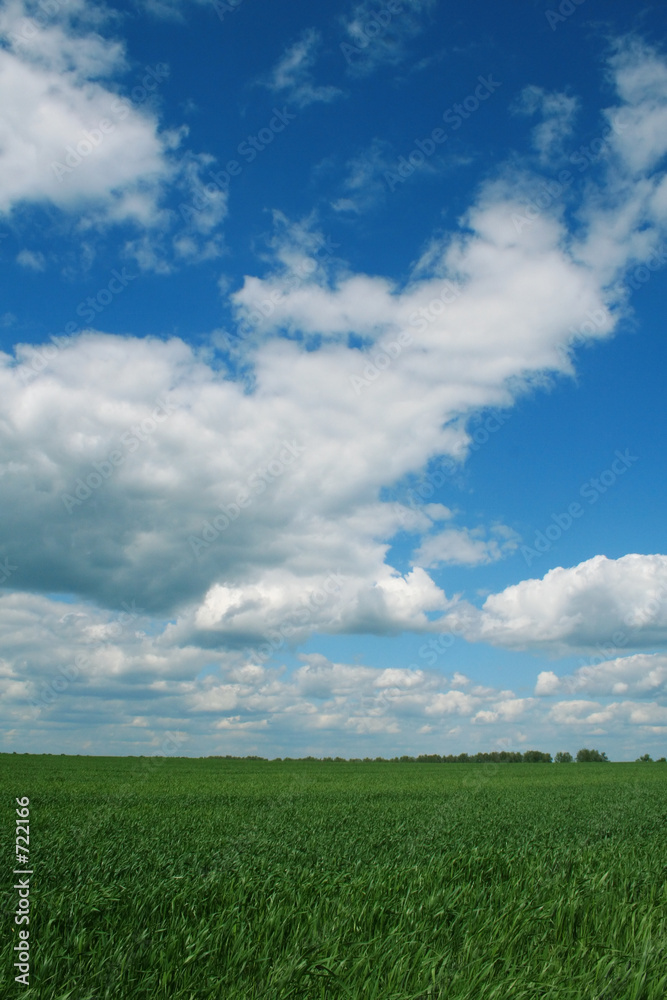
x=590 y=756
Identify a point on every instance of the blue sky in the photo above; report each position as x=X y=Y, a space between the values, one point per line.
x=333 y=354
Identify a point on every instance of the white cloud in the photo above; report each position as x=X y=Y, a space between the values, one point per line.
x=547 y=683
x=557 y=111
x=71 y=139
x=230 y=506
x=625 y=220
x=195 y=235
x=579 y=713
x=466 y=547
x=570 y=274
x=638 y=676
x=171 y=542
x=479 y=328
x=377 y=36
x=605 y=604
x=504 y=710
x=292 y=76
x=364 y=185
x=66 y=137
x=118 y=671
x=451 y=702
x=33 y=260
x=640 y=77
x=130 y=685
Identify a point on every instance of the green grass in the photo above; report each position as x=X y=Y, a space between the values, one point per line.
x=237 y=879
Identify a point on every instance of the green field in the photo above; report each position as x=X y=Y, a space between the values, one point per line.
x=251 y=879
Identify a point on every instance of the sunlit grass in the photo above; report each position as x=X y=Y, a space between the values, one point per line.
x=234 y=879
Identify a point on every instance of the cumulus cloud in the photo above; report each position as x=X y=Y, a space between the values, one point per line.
x=537 y=279
x=476 y=328
x=604 y=604
x=230 y=505
x=638 y=676
x=516 y=296
x=54 y=147
x=71 y=660
x=238 y=522
x=126 y=683
x=72 y=139
x=595 y=716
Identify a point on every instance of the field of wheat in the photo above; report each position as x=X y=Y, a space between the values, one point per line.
x=183 y=879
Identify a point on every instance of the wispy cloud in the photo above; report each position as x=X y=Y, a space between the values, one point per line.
x=377 y=33
x=557 y=111
x=364 y=186
x=33 y=260
x=292 y=77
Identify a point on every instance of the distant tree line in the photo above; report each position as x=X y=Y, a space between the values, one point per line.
x=495 y=757
x=591 y=756
x=584 y=756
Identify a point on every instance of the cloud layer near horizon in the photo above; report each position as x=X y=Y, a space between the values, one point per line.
x=126 y=687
